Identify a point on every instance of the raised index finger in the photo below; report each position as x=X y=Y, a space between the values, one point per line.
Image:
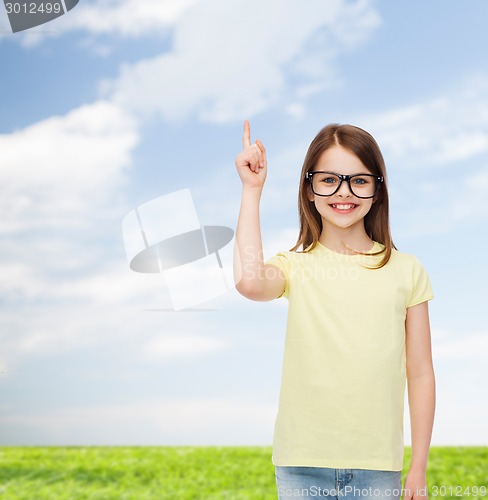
x=246 y=136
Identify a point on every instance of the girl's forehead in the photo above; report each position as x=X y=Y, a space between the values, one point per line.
x=340 y=160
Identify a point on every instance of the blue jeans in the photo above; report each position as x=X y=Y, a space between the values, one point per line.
x=322 y=482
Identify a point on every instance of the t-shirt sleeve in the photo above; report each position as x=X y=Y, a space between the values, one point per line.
x=282 y=261
x=421 y=286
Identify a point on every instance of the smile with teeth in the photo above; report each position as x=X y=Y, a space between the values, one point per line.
x=343 y=207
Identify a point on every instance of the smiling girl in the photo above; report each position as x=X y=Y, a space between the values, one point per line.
x=358 y=325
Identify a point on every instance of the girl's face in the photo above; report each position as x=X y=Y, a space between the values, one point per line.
x=343 y=209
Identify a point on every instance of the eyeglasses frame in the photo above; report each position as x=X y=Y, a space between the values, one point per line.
x=342 y=177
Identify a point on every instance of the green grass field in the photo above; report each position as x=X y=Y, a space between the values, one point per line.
x=181 y=473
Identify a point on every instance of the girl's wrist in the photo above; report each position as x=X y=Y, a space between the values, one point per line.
x=252 y=190
x=418 y=467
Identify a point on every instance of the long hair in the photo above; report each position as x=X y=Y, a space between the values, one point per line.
x=363 y=145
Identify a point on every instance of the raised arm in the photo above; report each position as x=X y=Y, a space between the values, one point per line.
x=253 y=279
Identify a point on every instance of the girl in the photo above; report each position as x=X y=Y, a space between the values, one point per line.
x=357 y=330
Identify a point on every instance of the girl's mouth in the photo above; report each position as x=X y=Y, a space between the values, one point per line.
x=343 y=208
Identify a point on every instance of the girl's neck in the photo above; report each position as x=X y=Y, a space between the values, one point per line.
x=338 y=239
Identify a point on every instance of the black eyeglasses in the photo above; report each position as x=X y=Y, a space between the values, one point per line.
x=328 y=183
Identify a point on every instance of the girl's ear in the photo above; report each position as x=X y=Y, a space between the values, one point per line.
x=310 y=195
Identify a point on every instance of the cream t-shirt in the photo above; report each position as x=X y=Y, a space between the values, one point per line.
x=343 y=381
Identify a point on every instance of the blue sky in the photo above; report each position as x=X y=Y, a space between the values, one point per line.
x=121 y=102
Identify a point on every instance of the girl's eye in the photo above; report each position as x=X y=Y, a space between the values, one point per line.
x=329 y=180
x=361 y=181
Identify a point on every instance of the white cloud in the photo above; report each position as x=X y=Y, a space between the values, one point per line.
x=447 y=129
x=108 y=284
x=149 y=334
x=451 y=204
x=61 y=328
x=59 y=291
x=465 y=206
x=461 y=417
x=234 y=59
x=17 y=279
x=130 y=18
x=171 y=345
x=470 y=346
x=64 y=169
x=297 y=110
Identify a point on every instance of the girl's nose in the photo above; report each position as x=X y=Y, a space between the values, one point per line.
x=344 y=189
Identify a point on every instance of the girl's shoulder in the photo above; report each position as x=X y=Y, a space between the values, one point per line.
x=407 y=262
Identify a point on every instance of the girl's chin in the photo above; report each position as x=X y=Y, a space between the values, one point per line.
x=336 y=220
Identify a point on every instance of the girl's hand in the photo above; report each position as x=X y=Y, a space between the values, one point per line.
x=251 y=163
x=415 y=486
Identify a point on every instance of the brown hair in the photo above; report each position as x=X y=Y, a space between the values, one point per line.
x=376 y=221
